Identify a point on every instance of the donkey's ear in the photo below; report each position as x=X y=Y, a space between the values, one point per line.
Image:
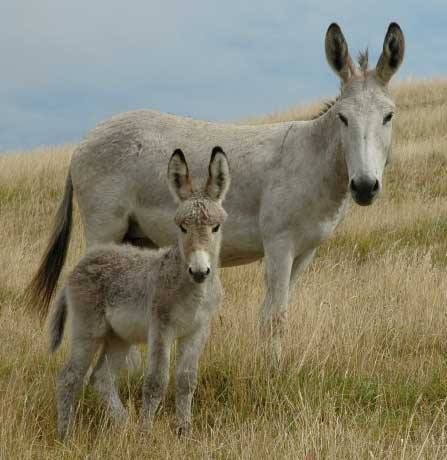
x=392 y=54
x=179 y=179
x=337 y=53
x=219 y=175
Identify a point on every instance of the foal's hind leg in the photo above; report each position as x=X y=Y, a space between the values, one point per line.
x=70 y=380
x=104 y=377
x=109 y=223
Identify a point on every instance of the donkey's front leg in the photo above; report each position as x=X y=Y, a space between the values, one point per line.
x=300 y=263
x=156 y=381
x=279 y=256
x=189 y=350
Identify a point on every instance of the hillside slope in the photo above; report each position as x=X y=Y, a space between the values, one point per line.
x=365 y=371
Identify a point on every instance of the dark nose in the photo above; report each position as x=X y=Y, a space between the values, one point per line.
x=199 y=276
x=364 y=190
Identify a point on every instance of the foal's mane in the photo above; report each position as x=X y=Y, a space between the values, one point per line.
x=362 y=60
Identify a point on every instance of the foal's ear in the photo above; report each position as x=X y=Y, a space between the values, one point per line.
x=219 y=175
x=179 y=180
x=392 y=54
x=337 y=53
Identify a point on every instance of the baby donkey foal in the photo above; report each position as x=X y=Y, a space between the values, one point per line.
x=121 y=295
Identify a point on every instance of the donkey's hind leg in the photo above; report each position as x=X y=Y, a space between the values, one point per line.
x=70 y=381
x=104 y=377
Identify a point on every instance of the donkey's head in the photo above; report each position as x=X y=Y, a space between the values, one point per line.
x=365 y=109
x=200 y=213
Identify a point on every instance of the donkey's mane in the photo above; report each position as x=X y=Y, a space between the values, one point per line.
x=327 y=106
x=362 y=60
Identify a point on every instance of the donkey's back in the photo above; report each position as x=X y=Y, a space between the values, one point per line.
x=123 y=160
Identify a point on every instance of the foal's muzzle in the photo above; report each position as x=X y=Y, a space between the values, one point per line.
x=199 y=276
x=364 y=190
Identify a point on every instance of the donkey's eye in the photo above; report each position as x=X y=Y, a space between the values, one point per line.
x=343 y=119
x=183 y=229
x=387 y=118
x=216 y=228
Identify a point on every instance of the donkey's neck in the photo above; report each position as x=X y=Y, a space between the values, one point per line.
x=324 y=155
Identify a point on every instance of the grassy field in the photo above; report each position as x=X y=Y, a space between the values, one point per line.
x=365 y=370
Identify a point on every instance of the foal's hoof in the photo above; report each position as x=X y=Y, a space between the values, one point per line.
x=62 y=434
x=121 y=418
x=145 y=424
x=183 y=429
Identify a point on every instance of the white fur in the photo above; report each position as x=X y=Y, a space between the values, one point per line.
x=199 y=261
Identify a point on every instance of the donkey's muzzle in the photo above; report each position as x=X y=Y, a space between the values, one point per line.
x=199 y=276
x=364 y=190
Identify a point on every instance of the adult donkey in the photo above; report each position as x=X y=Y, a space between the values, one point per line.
x=291 y=180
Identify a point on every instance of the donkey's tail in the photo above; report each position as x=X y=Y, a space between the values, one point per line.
x=41 y=289
x=57 y=321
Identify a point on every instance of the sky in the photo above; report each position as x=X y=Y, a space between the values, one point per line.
x=67 y=65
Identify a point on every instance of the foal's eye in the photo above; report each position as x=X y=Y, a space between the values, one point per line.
x=343 y=119
x=183 y=229
x=216 y=228
x=387 y=118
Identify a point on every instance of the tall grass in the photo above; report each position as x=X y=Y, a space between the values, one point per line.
x=365 y=366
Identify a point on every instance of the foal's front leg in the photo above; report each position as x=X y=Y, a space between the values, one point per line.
x=189 y=350
x=279 y=256
x=156 y=381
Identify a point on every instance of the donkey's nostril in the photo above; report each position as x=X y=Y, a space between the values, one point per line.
x=364 y=190
x=199 y=276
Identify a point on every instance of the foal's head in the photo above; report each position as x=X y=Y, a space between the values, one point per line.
x=200 y=214
x=365 y=109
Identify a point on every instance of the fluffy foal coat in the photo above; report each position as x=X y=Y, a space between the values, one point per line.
x=121 y=295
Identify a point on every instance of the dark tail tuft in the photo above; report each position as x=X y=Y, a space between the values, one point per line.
x=40 y=291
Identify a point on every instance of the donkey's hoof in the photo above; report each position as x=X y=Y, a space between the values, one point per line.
x=271 y=350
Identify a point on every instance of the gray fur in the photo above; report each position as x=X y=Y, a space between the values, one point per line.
x=291 y=180
x=119 y=295
x=57 y=321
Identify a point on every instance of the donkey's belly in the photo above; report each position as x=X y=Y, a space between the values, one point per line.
x=232 y=258
x=241 y=242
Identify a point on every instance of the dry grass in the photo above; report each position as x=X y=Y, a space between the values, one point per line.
x=365 y=371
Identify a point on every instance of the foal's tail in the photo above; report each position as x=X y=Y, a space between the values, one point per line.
x=41 y=289
x=57 y=321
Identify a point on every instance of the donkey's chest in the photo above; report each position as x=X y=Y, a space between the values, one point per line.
x=315 y=225
x=306 y=219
